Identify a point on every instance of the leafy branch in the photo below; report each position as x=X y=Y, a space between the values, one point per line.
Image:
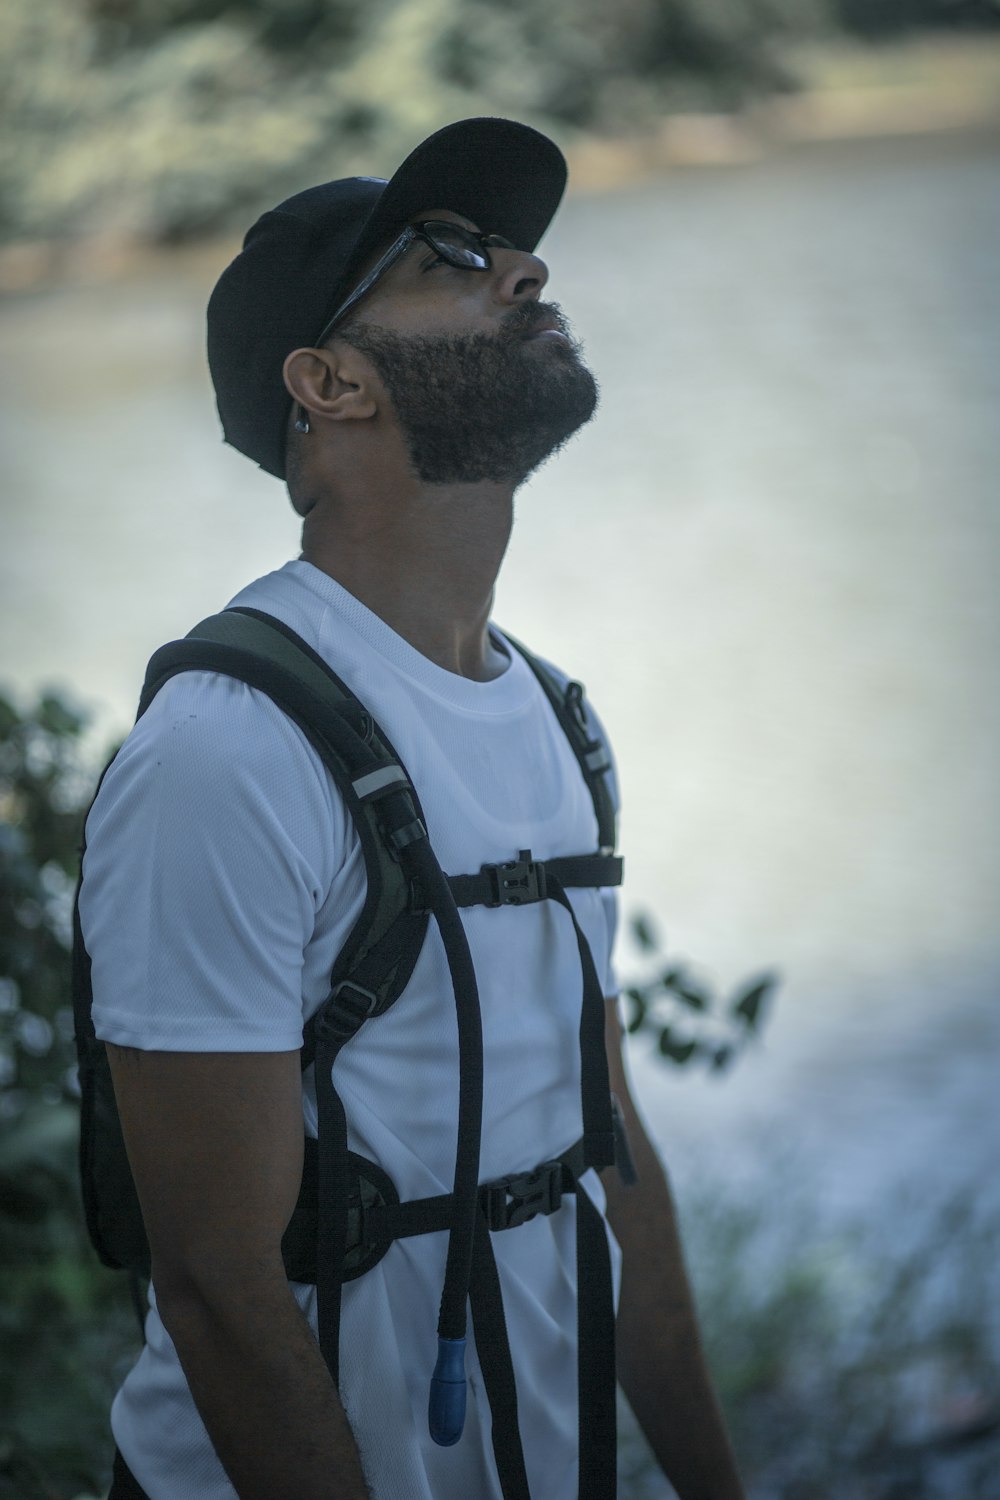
x=690 y=1023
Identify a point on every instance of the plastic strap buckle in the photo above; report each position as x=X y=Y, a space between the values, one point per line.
x=516 y=1199
x=346 y=1007
x=517 y=883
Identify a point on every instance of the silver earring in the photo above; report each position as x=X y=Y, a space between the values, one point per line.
x=302 y=421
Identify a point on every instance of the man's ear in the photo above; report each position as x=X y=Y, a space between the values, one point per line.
x=335 y=384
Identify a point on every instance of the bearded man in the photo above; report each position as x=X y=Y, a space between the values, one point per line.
x=384 y=347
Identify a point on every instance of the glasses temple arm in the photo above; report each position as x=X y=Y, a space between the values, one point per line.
x=395 y=250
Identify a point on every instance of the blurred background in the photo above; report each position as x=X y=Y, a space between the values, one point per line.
x=772 y=559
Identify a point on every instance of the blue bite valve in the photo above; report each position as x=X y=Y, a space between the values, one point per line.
x=446 y=1408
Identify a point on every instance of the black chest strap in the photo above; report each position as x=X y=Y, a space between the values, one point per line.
x=524 y=880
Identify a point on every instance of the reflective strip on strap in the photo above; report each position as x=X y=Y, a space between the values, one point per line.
x=380 y=781
x=597 y=760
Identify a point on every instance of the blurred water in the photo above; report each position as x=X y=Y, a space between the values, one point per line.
x=772 y=559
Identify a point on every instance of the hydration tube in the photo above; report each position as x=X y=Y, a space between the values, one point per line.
x=447 y=1399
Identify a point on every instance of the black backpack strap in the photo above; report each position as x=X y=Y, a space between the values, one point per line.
x=382 y=947
x=374 y=965
x=595 y=1342
x=377 y=960
x=519 y=882
x=110 y=1201
x=596 y=1377
x=569 y=706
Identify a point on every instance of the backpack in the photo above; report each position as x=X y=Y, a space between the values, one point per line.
x=348 y=1211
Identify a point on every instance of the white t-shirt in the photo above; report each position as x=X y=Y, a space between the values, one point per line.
x=223 y=875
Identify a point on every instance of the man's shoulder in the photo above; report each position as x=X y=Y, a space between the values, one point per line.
x=294 y=594
x=562 y=680
x=210 y=735
x=212 y=719
x=215 y=775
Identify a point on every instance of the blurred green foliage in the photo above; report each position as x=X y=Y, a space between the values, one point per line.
x=861 y=1365
x=683 y=1013
x=165 y=120
x=901 y=1347
x=66 y=1324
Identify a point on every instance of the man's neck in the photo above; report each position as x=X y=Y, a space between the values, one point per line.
x=425 y=563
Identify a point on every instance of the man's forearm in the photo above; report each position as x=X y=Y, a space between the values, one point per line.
x=263 y=1391
x=661 y=1365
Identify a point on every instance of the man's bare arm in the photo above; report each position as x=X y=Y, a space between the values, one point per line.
x=661 y=1365
x=215 y=1144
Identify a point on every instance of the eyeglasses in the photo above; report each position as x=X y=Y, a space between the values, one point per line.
x=456 y=245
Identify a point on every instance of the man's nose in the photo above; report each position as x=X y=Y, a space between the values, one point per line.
x=520 y=276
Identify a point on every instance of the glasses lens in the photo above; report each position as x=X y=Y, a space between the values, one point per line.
x=458 y=246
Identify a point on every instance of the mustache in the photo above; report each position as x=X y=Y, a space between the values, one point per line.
x=527 y=317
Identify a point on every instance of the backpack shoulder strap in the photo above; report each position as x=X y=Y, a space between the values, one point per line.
x=375 y=963
x=569 y=706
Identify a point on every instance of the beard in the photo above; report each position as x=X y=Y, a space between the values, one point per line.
x=481 y=407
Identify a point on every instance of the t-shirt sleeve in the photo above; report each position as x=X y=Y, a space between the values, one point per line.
x=211 y=847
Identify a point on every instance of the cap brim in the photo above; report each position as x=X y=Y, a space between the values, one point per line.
x=506 y=177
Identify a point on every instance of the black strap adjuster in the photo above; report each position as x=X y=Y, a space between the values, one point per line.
x=343 y=1012
x=517 y=883
x=516 y=1199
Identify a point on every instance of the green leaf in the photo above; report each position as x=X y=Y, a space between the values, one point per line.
x=9 y=718
x=58 y=717
x=749 y=1007
x=637 y=1000
x=645 y=933
x=675 y=1048
x=693 y=997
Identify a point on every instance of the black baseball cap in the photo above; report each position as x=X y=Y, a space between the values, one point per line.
x=299 y=260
